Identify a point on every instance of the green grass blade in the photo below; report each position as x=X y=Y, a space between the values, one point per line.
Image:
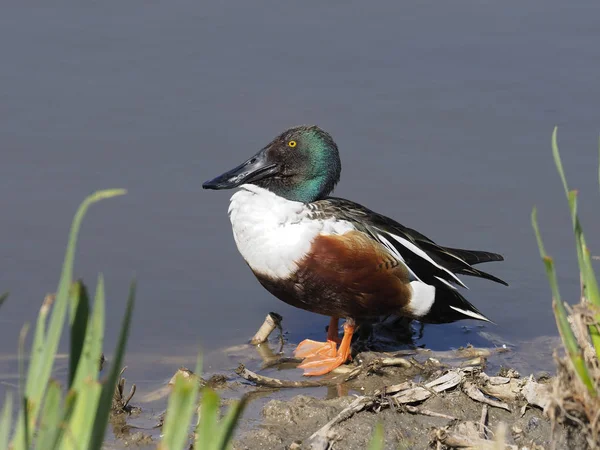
x=589 y=277
x=108 y=388
x=592 y=295
x=573 y=351
x=21 y=434
x=229 y=423
x=3 y=298
x=545 y=258
x=377 y=439
x=558 y=161
x=98 y=318
x=41 y=364
x=589 y=283
x=39 y=337
x=568 y=337
x=68 y=408
x=50 y=418
x=207 y=424
x=577 y=231
x=536 y=230
x=92 y=346
x=79 y=324
x=6 y=421
x=81 y=424
x=180 y=409
x=62 y=296
x=571 y=195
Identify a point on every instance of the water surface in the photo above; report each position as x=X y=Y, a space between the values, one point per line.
x=442 y=112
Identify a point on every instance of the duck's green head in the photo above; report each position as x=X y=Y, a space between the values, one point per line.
x=301 y=164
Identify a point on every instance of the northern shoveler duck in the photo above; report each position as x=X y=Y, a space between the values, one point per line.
x=335 y=257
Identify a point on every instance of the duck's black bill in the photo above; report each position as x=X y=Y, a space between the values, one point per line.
x=256 y=168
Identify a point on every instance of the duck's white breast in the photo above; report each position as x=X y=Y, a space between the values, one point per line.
x=272 y=233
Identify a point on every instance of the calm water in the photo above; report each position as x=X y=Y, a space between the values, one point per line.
x=442 y=111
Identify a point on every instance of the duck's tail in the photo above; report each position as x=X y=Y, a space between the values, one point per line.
x=455 y=259
x=474 y=256
x=449 y=306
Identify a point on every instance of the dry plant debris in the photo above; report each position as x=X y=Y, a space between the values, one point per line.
x=271 y=323
x=120 y=402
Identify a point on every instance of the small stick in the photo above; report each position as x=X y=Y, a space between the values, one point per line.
x=319 y=439
x=272 y=321
x=422 y=392
x=455 y=440
x=261 y=380
x=426 y=412
x=482 y=421
x=402 y=362
x=377 y=364
x=388 y=390
x=473 y=391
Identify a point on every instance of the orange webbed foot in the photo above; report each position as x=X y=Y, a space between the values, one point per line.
x=324 y=362
x=309 y=348
x=320 y=365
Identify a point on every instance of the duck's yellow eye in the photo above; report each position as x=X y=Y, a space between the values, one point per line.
x=292 y=144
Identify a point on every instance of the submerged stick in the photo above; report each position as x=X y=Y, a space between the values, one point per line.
x=283 y=360
x=272 y=321
x=261 y=380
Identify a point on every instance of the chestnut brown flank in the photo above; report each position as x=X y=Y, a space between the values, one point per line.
x=345 y=276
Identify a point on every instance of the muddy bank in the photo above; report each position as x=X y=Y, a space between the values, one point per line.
x=420 y=403
x=290 y=425
x=448 y=399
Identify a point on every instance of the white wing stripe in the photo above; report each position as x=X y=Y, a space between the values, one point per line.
x=390 y=247
x=394 y=251
x=417 y=251
x=445 y=282
x=470 y=313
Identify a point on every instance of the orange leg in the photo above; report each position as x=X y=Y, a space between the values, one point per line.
x=308 y=347
x=320 y=364
x=332 y=330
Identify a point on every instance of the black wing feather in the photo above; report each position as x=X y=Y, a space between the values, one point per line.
x=450 y=260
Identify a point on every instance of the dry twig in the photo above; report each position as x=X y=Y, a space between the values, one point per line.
x=417 y=394
x=272 y=321
x=483 y=421
x=473 y=391
x=319 y=440
x=261 y=380
x=426 y=412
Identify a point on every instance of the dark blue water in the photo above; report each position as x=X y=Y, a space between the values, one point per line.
x=442 y=112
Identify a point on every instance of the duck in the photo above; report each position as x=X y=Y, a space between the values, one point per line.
x=335 y=257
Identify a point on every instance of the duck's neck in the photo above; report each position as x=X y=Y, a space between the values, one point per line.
x=305 y=192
